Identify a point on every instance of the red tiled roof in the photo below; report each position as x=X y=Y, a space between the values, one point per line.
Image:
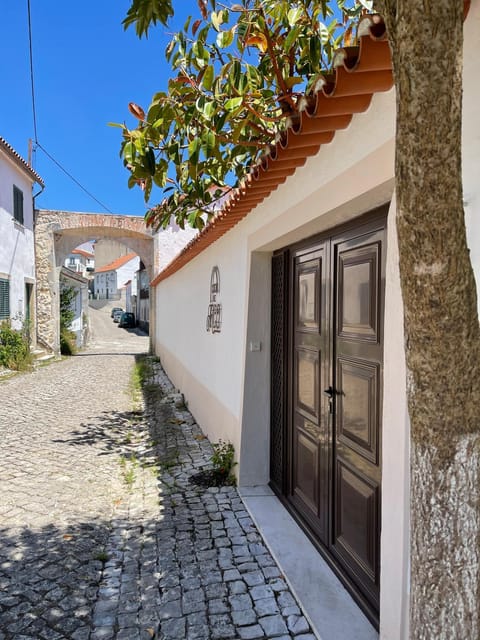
x=19 y=161
x=116 y=264
x=360 y=72
x=85 y=254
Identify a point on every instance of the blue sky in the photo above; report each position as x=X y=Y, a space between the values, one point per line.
x=86 y=69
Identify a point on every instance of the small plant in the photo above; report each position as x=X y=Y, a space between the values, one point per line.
x=223 y=460
x=68 y=343
x=14 y=349
x=135 y=386
x=68 y=340
x=101 y=556
x=129 y=477
x=128 y=470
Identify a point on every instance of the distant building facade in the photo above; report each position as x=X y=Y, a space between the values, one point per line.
x=111 y=278
x=81 y=261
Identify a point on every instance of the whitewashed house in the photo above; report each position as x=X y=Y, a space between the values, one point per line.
x=293 y=298
x=79 y=304
x=131 y=295
x=142 y=312
x=110 y=279
x=81 y=261
x=17 y=257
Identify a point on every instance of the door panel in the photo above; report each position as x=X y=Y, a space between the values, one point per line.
x=358 y=364
x=335 y=367
x=309 y=436
x=356 y=521
x=305 y=468
x=357 y=415
x=307 y=376
x=357 y=292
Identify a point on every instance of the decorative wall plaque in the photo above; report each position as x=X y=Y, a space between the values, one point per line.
x=214 y=316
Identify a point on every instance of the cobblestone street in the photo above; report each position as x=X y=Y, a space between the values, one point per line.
x=102 y=534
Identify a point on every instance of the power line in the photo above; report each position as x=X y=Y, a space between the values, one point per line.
x=72 y=178
x=31 y=71
x=37 y=143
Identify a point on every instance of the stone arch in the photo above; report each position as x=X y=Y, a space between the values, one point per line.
x=56 y=234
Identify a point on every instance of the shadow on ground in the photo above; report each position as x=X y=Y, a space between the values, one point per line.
x=49 y=579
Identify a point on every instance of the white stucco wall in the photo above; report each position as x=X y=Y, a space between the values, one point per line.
x=106 y=280
x=226 y=384
x=471 y=138
x=79 y=306
x=356 y=175
x=127 y=272
x=17 y=262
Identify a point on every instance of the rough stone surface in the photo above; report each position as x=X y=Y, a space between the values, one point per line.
x=102 y=533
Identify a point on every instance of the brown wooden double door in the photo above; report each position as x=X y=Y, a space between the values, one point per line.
x=332 y=385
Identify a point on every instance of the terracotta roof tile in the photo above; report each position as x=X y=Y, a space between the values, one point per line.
x=116 y=264
x=19 y=161
x=360 y=72
x=85 y=254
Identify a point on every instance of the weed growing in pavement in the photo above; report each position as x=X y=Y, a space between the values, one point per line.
x=135 y=388
x=102 y=556
x=223 y=462
x=223 y=458
x=129 y=477
x=128 y=467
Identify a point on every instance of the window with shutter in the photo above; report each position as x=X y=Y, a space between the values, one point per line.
x=18 y=204
x=4 y=299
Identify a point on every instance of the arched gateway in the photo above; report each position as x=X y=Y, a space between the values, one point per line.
x=57 y=233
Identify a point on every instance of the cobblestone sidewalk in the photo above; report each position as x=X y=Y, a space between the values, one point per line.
x=163 y=558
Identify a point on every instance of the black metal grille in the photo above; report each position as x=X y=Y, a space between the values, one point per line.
x=278 y=378
x=4 y=299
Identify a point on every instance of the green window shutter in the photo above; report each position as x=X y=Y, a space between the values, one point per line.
x=4 y=299
x=18 y=204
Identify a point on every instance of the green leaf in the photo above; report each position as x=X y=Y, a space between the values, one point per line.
x=225 y=39
x=129 y=152
x=150 y=161
x=233 y=103
x=194 y=150
x=294 y=15
x=291 y=38
x=216 y=20
x=209 y=109
x=208 y=143
x=324 y=33
x=208 y=77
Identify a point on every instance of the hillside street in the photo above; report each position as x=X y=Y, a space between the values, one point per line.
x=102 y=534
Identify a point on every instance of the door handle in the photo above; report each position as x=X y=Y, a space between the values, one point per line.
x=330 y=392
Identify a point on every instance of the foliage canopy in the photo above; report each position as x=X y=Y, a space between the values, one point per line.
x=240 y=73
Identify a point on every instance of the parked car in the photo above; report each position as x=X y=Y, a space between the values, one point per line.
x=117 y=315
x=112 y=312
x=127 y=320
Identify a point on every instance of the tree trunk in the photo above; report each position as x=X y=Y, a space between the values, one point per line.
x=442 y=338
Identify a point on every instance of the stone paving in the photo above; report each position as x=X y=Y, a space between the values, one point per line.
x=102 y=534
